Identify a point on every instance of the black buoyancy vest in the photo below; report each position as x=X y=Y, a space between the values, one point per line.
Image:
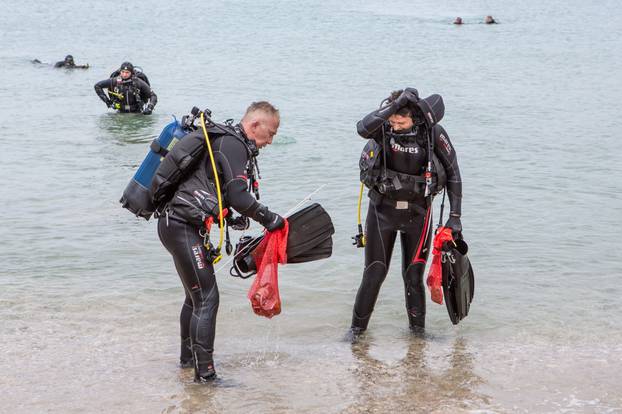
x=132 y=99
x=178 y=163
x=198 y=194
x=375 y=175
x=196 y=197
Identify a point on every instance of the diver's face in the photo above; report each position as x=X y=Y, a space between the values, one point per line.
x=263 y=129
x=400 y=123
x=126 y=74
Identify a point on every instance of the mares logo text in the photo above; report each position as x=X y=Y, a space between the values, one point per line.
x=410 y=150
x=198 y=256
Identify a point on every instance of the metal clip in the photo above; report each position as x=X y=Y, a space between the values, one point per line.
x=452 y=258
x=448 y=256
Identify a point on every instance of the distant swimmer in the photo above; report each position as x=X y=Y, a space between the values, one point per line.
x=490 y=20
x=68 y=63
x=127 y=91
x=458 y=20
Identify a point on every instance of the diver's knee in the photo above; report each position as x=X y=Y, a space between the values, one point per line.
x=375 y=273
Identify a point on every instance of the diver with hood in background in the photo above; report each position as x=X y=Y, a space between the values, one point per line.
x=127 y=92
x=403 y=178
x=68 y=63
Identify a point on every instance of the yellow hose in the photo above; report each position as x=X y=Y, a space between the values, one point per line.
x=220 y=216
x=118 y=95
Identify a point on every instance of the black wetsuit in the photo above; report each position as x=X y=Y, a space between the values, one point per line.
x=402 y=211
x=128 y=95
x=69 y=65
x=179 y=230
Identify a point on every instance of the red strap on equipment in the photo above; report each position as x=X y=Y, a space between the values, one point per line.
x=210 y=220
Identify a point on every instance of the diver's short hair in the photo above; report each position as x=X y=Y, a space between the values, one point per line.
x=263 y=106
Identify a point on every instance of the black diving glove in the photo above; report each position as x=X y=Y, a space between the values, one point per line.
x=407 y=97
x=271 y=221
x=277 y=224
x=148 y=110
x=455 y=225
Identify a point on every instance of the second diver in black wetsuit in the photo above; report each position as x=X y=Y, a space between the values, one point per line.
x=68 y=63
x=180 y=226
x=399 y=203
x=126 y=92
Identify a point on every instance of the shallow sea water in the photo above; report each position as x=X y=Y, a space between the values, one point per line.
x=89 y=299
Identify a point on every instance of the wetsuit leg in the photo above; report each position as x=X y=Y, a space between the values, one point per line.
x=185 y=356
x=185 y=316
x=197 y=275
x=415 y=249
x=380 y=239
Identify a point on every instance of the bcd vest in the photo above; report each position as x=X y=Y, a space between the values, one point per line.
x=375 y=175
x=198 y=192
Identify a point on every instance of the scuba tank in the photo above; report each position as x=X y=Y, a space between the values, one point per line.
x=137 y=195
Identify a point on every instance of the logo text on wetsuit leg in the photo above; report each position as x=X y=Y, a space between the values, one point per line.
x=198 y=256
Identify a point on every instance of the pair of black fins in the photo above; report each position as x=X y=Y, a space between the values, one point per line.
x=309 y=238
x=458 y=280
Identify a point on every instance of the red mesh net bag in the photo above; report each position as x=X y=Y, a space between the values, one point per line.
x=435 y=274
x=264 y=293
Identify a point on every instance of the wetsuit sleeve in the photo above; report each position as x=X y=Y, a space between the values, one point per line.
x=371 y=125
x=446 y=153
x=99 y=90
x=146 y=93
x=59 y=64
x=231 y=157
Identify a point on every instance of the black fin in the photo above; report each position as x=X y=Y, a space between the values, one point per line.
x=458 y=281
x=309 y=238
x=308 y=229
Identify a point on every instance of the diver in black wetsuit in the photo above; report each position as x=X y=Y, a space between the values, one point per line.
x=403 y=130
x=180 y=226
x=126 y=92
x=68 y=63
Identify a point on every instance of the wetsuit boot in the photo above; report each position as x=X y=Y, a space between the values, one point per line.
x=203 y=364
x=415 y=296
x=416 y=322
x=415 y=306
x=185 y=356
x=359 y=325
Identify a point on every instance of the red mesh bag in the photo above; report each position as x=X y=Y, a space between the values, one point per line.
x=264 y=293
x=435 y=274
